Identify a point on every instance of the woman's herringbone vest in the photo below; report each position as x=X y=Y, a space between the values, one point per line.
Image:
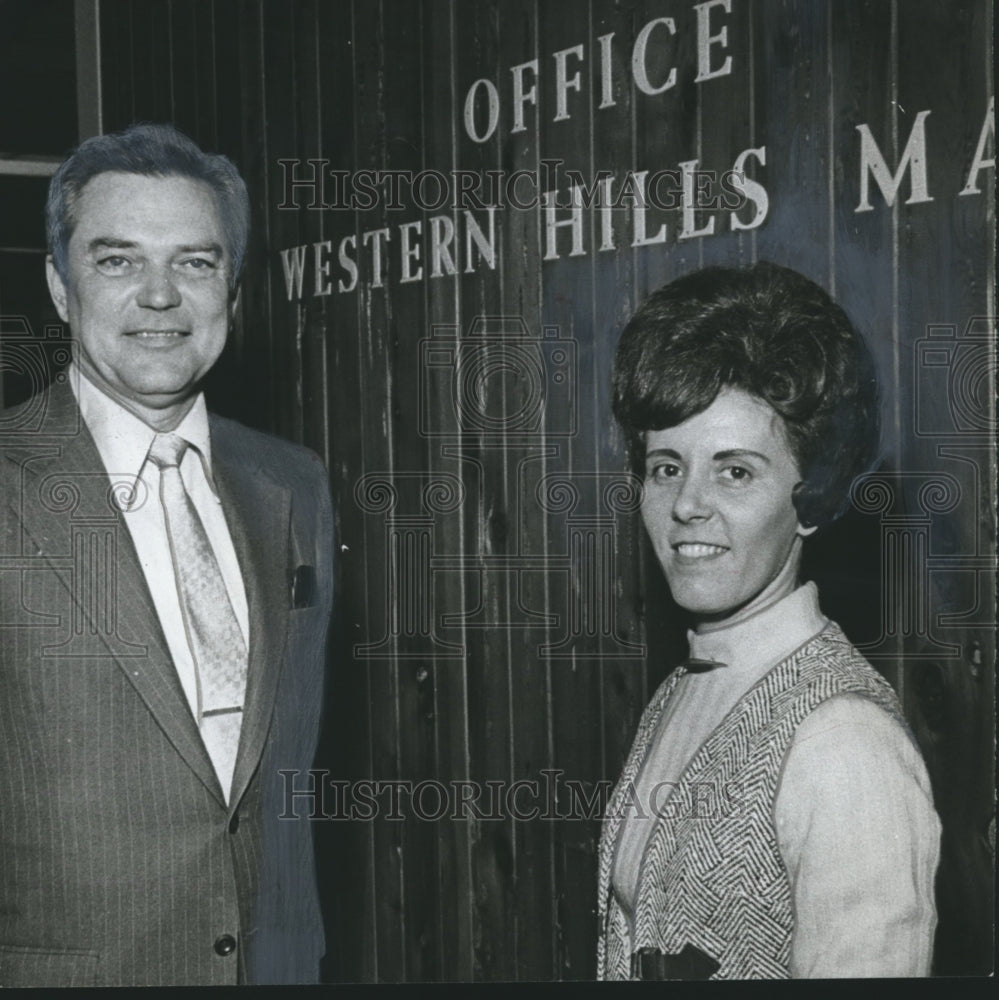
x=712 y=877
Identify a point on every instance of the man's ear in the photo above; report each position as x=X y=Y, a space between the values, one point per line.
x=57 y=288
x=234 y=303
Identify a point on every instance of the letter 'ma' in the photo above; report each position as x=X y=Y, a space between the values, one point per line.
x=872 y=163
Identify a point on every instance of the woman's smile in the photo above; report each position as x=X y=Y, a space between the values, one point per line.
x=717 y=504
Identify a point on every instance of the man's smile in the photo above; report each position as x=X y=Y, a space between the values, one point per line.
x=156 y=334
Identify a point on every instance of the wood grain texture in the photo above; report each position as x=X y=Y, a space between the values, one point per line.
x=483 y=692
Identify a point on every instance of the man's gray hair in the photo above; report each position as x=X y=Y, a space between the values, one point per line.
x=153 y=151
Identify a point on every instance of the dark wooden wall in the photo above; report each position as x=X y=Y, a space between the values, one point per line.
x=494 y=589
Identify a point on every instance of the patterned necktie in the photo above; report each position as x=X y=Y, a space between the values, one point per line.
x=213 y=633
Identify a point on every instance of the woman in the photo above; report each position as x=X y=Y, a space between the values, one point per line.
x=774 y=817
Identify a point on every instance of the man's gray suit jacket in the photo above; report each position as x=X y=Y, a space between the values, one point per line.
x=120 y=862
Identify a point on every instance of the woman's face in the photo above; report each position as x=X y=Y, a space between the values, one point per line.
x=717 y=504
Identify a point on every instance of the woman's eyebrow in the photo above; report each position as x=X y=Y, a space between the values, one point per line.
x=662 y=452
x=720 y=456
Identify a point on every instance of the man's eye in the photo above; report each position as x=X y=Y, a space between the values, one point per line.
x=199 y=264
x=113 y=262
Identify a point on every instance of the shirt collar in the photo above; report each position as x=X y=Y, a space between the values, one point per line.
x=123 y=439
x=765 y=638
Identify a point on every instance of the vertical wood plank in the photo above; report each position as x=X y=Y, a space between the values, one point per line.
x=793 y=52
x=575 y=592
x=254 y=343
x=311 y=343
x=725 y=124
x=403 y=28
x=381 y=86
x=441 y=115
x=623 y=681
x=348 y=861
x=152 y=52
x=288 y=227
x=376 y=384
x=945 y=433
x=865 y=48
x=487 y=37
x=187 y=73
x=115 y=29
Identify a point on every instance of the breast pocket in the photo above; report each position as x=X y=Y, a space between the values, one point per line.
x=22 y=966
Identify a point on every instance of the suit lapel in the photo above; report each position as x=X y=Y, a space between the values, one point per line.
x=258 y=512
x=66 y=490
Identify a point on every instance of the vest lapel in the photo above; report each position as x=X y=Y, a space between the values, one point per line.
x=617 y=807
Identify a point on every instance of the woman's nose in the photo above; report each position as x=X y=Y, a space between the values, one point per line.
x=692 y=500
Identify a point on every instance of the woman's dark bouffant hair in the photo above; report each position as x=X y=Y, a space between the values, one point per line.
x=774 y=334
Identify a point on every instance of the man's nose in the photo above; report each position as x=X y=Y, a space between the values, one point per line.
x=692 y=500
x=159 y=289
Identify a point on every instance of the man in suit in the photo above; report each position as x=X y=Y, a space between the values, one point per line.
x=166 y=585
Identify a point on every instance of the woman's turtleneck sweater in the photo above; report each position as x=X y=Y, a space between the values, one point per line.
x=854 y=814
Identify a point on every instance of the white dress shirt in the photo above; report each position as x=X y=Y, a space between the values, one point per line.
x=123 y=442
x=854 y=814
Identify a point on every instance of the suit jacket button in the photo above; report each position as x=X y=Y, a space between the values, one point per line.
x=225 y=945
x=234 y=823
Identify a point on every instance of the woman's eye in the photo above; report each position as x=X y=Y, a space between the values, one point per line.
x=737 y=472
x=664 y=471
